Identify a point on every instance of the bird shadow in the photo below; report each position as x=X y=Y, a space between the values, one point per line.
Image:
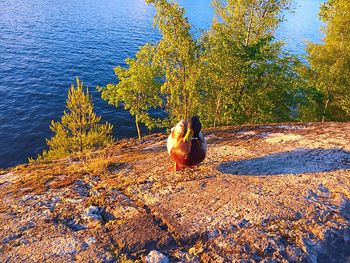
x=298 y=161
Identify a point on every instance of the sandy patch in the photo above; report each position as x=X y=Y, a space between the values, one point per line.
x=282 y=138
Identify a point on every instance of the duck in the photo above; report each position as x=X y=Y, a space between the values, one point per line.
x=186 y=144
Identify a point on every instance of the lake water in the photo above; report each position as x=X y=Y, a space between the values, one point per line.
x=45 y=44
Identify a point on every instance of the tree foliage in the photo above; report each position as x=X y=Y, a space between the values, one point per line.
x=236 y=72
x=177 y=56
x=138 y=89
x=330 y=62
x=247 y=76
x=79 y=129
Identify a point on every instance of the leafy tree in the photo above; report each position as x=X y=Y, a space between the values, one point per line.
x=330 y=62
x=310 y=101
x=246 y=77
x=79 y=129
x=176 y=55
x=138 y=88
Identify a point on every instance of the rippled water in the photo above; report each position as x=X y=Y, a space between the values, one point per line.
x=45 y=44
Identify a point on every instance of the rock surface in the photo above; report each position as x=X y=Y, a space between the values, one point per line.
x=268 y=193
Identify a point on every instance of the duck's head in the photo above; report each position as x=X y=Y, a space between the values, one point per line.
x=194 y=126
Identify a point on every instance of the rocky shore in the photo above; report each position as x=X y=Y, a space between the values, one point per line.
x=268 y=193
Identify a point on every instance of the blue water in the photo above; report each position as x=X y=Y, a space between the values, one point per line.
x=45 y=44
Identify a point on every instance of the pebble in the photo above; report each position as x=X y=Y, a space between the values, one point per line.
x=93 y=212
x=156 y=257
x=90 y=240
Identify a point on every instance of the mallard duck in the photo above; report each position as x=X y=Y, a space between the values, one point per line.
x=186 y=143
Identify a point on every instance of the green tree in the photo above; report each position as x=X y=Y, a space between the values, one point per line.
x=330 y=62
x=246 y=77
x=138 y=89
x=79 y=129
x=177 y=56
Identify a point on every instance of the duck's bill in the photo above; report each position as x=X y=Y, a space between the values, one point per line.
x=188 y=136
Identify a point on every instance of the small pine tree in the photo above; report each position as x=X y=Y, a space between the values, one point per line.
x=79 y=129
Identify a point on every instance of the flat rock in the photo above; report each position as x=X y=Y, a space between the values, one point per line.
x=265 y=193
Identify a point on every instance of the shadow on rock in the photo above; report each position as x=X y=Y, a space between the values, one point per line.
x=298 y=161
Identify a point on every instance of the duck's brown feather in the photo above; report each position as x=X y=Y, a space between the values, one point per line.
x=188 y=154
